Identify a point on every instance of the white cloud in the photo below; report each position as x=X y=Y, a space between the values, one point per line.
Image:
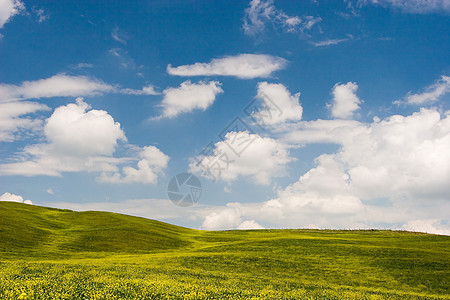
x=243 y=154
x=59 y=85
x=11 y=197
x=261 y=12
x=50 y=191
x=279 y=105
x=75 y=131
x=433 y=92
x=82 y=139
x=8 y=9
x=328 y=42
x=62 y=85
x=78 y=139
x=188 y=97
x=151 y=164
x=345 y=101
x=228 y=218
x=250 y=224
x=14 y=120
x=320 y=198
x=244 y=66
x=413 y=6
x=14 y=198
x=146 y=90
x=396 y=157
x=257 y=15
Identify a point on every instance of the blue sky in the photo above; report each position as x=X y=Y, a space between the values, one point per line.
x=320 y=114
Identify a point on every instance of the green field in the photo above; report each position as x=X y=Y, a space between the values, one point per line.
x=60 y=254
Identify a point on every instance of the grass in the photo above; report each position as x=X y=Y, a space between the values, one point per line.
x=60 y=254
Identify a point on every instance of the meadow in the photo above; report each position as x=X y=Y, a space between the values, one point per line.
x=48 y=253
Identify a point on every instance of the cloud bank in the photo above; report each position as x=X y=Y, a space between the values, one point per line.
x=390 y=173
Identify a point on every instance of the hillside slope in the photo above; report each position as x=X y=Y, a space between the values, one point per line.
x=38 y=230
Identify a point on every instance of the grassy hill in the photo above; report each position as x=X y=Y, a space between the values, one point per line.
x=42 y=231
x=60 y=254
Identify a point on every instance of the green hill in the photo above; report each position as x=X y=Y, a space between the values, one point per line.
x=49 y=253
x=36 y=230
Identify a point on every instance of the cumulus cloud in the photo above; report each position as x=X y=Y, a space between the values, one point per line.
x=244 y=66
x=228 y=218
x=401 y=156
x=8 y=9
x=319 y=198
x=345 y=101
x=279 y=105
x=432 y=93
x=413 y=6
x=152 y=162
x=77 y=139
x=60 y=85
x=249 y=224
x=14 y=198
x=188 y=97
x=77 y=131
x=243 y=154
x=83 y=139
x=14 y=119
x=261 y=12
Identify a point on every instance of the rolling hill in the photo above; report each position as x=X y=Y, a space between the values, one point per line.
x=36 y=230
x=48 y=253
